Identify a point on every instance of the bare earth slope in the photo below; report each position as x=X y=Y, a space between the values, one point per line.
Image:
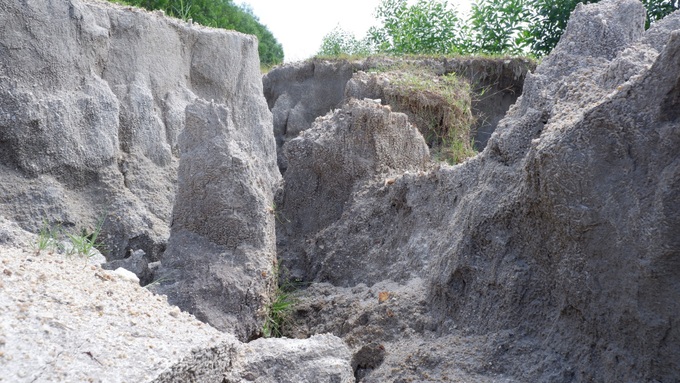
x=98 y=102
x=555 y=252
x=553 y=255
x=67 y=320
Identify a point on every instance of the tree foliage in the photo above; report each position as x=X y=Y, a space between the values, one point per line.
x=221 y=14
x=339 y=42
x=493 y=27
x=497 y=27
x=547 y=23
x=657 y=9
x=425 y=27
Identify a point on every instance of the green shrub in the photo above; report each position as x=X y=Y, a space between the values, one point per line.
x=339 y=42
x=427 y=27
x=658 y=9
x=497 y=27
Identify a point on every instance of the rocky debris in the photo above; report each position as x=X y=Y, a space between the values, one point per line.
x=203 y=364
x=64 y=320
x=369 y=85
x=553 y=252
x=393 y=336
x=361 y=142
x=11 y=234
x=367 y=359
x=126 y=275
x=320 y=358
x=221 y=252
x=298 y=93
x=135 y=263
x=386 y=311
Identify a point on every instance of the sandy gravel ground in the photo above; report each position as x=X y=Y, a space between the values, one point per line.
x=65 y=320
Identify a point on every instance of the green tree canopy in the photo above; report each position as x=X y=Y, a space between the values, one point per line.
x=547 y=23
x=657 y=9
x=494 y=27
x=497 y=27
x=425 y=27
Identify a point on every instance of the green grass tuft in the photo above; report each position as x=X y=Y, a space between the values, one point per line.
x=278 y=313
x=51 y=238
x=47 y=238
x=84 y=243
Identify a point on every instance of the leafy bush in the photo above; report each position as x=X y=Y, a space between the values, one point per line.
x=339 y=42
x=658 y=9
x=426 y=27
x=496 y=27
x=547 y=23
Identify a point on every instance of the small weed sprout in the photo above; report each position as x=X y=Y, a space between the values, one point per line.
x=84 y=243
x=183 y=11
x=277 y=214
x=47 y=238
x=50 y=239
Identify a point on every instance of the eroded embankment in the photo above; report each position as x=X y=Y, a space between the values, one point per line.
x=478 y=93
x=551 y=254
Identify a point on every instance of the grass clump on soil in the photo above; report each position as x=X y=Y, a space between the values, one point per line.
x=85 y=243
x=47 y=238
x=51 y=238
x=278 y=313
x=440 y=106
